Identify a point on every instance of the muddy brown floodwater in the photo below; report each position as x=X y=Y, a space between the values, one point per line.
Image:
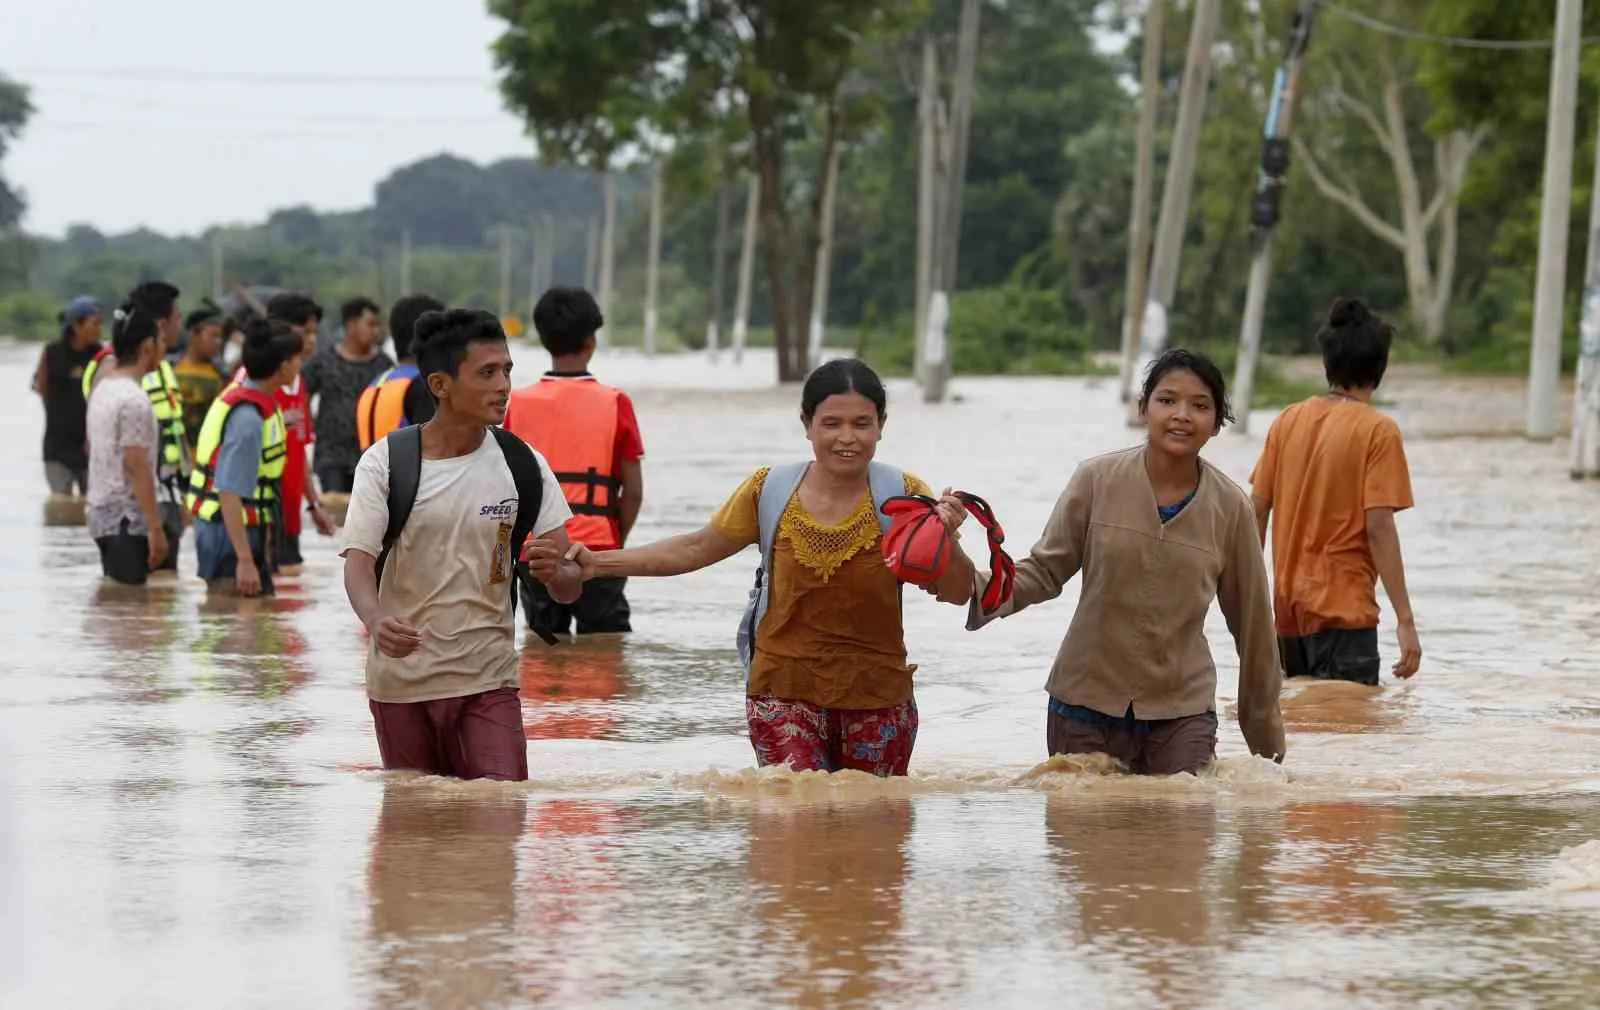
x=190 y=815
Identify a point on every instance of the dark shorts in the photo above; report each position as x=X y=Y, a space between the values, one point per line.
x=172 y=526
x=1336 y=654
x=602 y=608
x=810 y=738
x=63 y=478
x=479 y=736
x=337 y=479
x=215 y=560
x=289 y=551
x=125 y=557
x=1145 y=746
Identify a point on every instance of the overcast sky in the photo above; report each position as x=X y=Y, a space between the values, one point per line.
x=177 y=114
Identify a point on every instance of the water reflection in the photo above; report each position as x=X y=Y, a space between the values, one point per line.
x=249 y=646
x=441 y=884
x=829 y=878
x=565 y=689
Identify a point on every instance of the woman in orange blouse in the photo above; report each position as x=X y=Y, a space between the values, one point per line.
x=829 y=687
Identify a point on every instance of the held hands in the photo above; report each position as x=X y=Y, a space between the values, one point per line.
x=546 y=559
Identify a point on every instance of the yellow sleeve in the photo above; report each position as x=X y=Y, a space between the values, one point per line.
x=738 y=519
x=916 y=485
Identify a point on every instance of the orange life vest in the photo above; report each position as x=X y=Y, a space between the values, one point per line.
x=381 y=407
x=573 y=422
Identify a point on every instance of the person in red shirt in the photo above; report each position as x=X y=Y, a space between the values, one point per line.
x=590 y=434
x=303 y=316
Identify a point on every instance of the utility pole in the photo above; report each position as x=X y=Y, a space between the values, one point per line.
x=1143 y=183
x=719 y=258
x=652 y=268
x=547 y=265
x=1586 y=394
x=217 y=289
x=405 y=262
x=936 y=346
x=747 y=269
x=591 y=255
x=608 y=237
x=1270 y=184
x=927 y=202
x=824 y=264
x=536 y=253
x=1175 y=195
x=1544 y=364
x=505 y=272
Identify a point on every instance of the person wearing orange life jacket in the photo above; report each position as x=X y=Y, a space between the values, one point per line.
x=396 y=399
x=590 y=435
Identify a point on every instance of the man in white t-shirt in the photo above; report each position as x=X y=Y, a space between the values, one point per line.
x=442 y=666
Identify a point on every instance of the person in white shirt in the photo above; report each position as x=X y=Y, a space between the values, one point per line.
x=442 y=666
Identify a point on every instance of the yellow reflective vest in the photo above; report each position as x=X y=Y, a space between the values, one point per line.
x=260 y=509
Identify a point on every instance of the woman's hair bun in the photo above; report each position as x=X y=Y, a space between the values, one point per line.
x=1348 y=312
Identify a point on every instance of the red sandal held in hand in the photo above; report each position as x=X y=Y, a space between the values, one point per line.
x=918 y=547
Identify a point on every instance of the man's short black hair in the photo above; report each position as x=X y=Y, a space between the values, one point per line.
x=442 y=338
x=357 y=307
x=208 y=312
x=155 y=297
x=268 y=343
x=294 y=309
x=1355 y=345
x=566 y=317
x=403 y=320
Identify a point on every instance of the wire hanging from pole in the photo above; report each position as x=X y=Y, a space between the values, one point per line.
x=1453 y=41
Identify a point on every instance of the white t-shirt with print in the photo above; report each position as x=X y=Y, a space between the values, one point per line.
x=118 y=417
x=450 y=573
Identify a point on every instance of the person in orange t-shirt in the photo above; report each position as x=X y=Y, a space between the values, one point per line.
x=1334 y=473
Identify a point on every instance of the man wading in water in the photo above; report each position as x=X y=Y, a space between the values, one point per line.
x=442 y=668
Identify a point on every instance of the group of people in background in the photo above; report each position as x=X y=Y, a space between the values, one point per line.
x=468 y=496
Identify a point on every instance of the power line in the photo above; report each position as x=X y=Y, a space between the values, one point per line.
x=249 y=76
x=1453 y=41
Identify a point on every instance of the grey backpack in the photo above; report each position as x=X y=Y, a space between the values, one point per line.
x=781 y=484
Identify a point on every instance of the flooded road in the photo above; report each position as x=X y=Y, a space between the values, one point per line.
x=190 y=814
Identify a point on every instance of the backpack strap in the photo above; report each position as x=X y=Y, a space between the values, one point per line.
x=405 y=474
x=781 y=484
x=886 y=482
x=529 y=479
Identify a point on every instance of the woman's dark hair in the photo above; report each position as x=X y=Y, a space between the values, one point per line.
x=441 y=338
x=840 y=376
x=1355 y=345
x=1204 y=369
x=403 y=320
x=268 y=343
x=131 y=325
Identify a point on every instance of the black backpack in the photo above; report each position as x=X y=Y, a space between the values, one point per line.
x=405 y=474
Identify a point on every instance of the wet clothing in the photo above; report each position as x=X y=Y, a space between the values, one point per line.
x=832 y=635
x=216 y=560
x=1336 y=654
x=65 y=426
x=476 y=736
x=1326 y=461
x=449 y=572
x=1136 y=643
x=1144 y=746
x=337 y=383
x=119 y=418
x=125 y=556
x=809 y=738
x=601 y=609
x=64 y=481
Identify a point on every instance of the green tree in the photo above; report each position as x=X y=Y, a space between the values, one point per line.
x=593 y=80
x=15 y=256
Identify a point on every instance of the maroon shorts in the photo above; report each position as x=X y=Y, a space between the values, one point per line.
x=478 y=736
x=1145 y=746
x=809 y=738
